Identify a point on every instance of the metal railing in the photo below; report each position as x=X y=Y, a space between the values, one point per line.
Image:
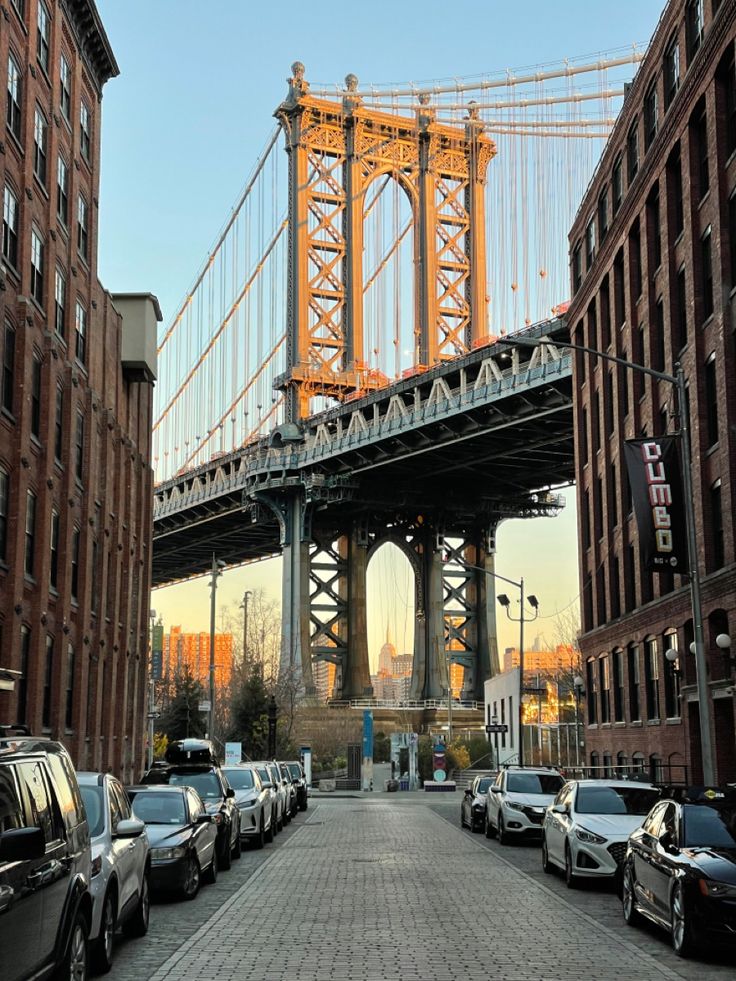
x=387 y=703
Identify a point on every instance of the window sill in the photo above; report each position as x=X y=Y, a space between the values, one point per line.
x=605 y=725
x=592 y=725
x=712 y=449
x=675 y=720
x=620 y=724
x=36 y=443
x=7 y=415
x=708 y=320
x=4 y=567
x=38 y=306
x=15 y=141
x=28 y=579
x=703 y=200
x=40 y=186
x=635 y=723
x=654 y=722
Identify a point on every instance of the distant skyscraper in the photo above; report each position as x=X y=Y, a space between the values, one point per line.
x=385 y=656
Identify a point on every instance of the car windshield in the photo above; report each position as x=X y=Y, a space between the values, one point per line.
x=239 y=779
x=534 y=783
x=483 y=784
x=709 y=827
x=616 y=800
x=206 y=784
x=295 y=770
x=159 y=808
x=94 y=805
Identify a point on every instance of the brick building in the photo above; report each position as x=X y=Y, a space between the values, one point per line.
x=75 y=406
x=653 y=264
x=191 y=651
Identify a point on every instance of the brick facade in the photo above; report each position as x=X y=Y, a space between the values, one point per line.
x=654 y=281
x=74 y=587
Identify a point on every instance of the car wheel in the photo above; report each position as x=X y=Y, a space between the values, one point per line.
x=684 y=940
x=191 y=879
x=280 y=824
x=632 y=916
x=546 y=864
x=102 y=947
x=260 y=839
x=304 y=806
x=269 y=833
x=490 y=830
x=74 y=966
x=572 y=881
x=210 y=876
x=503 y=835
x=224 y=858
x=462 y=818
x=237 y=847
x=137 y=924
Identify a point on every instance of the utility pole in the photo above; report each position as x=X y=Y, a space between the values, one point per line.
x=216 y=567
x=244 y=608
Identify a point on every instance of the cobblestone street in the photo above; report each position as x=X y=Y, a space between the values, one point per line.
x=367 y=889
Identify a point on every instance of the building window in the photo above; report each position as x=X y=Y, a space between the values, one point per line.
x=711 y=400
x=658 y=341
x=30 y=537
x=632 y=150
x=36 y=397
x=605 y=304
x=81 y=332
x=25 y=649
x=693 y=27
x=586 y=519
x=43 y=35
x=609 y=414
x=48 y=676
x=674 y=181
x=619 y=305
x=577 y=267
x=699 y=133
x=590 y=243
x=7 y=388
x=74 y=586
x=596 y=421
x=82 y=227
x=671 y=678
x=617 y=184
x=592 y=687
x=681 y=318
x=14 y=97
x=10 y=227
x=40 y=141
x=651 y=677
x=69 y=701
x=732 y=237
x=618 y=686
x=716 y=526
x=632 y=656
x=635 y=259
x=79 y=447
x=671 y=71
x=54 y=565
x=706 y=268
x=653 y=230
x=729 y=86
x=62 y=190
x=4 y=498
x=65 y=77
x=58 y=423
x=624 y=381
x=85 y=132
x=93 y=567
x=604 y=675
x=603 y=214
x=60 y=303
x=650 y=115
x=37 y=267
x=612 y=496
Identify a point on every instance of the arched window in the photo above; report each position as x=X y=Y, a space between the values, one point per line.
x=622 y=764
x=607 y=766
x=655 y=768
x=637 y=763
x=595 y=764
x=672 y=675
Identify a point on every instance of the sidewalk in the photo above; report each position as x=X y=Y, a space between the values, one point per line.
x=377 y=892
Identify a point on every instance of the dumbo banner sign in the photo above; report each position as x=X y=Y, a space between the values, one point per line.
x=656 y=487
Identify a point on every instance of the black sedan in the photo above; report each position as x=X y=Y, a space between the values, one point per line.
x=473 y=804
x=182 y=836
x=680 y=870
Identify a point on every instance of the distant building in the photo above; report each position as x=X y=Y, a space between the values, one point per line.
x=323 y=673
x=545 y=662
x=386 y=656
x=185 y=651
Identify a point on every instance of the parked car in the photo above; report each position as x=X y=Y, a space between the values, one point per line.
x=587 y=827
x=280 y=789
x=517 y=801
x=276 y=796
x=192 y=763
x=254 y=804
x=121 y=865
x=45 y=862
x=680 y=870
x=182 y=835
x=473 y=804
x=299 y=781
x=292 y=807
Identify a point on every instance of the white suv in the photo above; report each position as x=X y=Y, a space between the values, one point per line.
x=517 y=801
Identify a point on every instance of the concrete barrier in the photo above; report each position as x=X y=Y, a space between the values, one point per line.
x=327 y=785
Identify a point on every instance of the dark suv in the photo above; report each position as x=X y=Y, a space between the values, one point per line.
x=45 y=862
x=299 y=781
x=192 y=763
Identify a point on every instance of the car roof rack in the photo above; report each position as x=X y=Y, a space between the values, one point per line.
x=531 y=766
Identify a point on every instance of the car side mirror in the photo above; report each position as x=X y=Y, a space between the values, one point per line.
x=559 y=809
x=22 y=844
x=229 y=792
x=496 y=788
x=468 y=792
x=204 y=819
x=129 y=828
x=667 y=841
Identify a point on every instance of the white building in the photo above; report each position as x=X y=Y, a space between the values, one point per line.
x=501 y=696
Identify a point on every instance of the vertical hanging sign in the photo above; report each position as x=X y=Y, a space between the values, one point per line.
x=656 y=488
x=367 y=750
x=157 y=651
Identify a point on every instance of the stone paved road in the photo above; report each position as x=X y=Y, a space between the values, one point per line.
x=367 y=890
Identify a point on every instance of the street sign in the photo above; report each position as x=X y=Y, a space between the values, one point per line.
x=204 y=705
x=497 y=728
x=531 y=690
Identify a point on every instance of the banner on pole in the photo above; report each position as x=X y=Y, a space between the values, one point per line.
x=653 y=465
x=157 y=651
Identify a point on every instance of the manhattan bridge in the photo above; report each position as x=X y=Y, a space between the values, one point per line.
x=336 y=377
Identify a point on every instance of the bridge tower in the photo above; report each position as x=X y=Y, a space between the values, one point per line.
x=336 y=150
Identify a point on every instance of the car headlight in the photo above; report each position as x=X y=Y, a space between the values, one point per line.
x=582 y=834
x=167 y=853
x=513 y=805
x=244 y=804
x=718 y=890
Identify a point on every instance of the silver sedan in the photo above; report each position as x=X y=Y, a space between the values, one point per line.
x=254 y=803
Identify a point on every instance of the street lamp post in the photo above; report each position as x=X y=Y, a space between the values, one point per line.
x=577 y=683
x=494 y=722
x=216 y=571
x=701 y=669
x=244 y=607
x=506 y=603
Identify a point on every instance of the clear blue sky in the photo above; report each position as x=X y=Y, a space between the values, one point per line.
x=186 y=119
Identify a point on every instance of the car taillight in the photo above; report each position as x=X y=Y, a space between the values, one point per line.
x=96 y=866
